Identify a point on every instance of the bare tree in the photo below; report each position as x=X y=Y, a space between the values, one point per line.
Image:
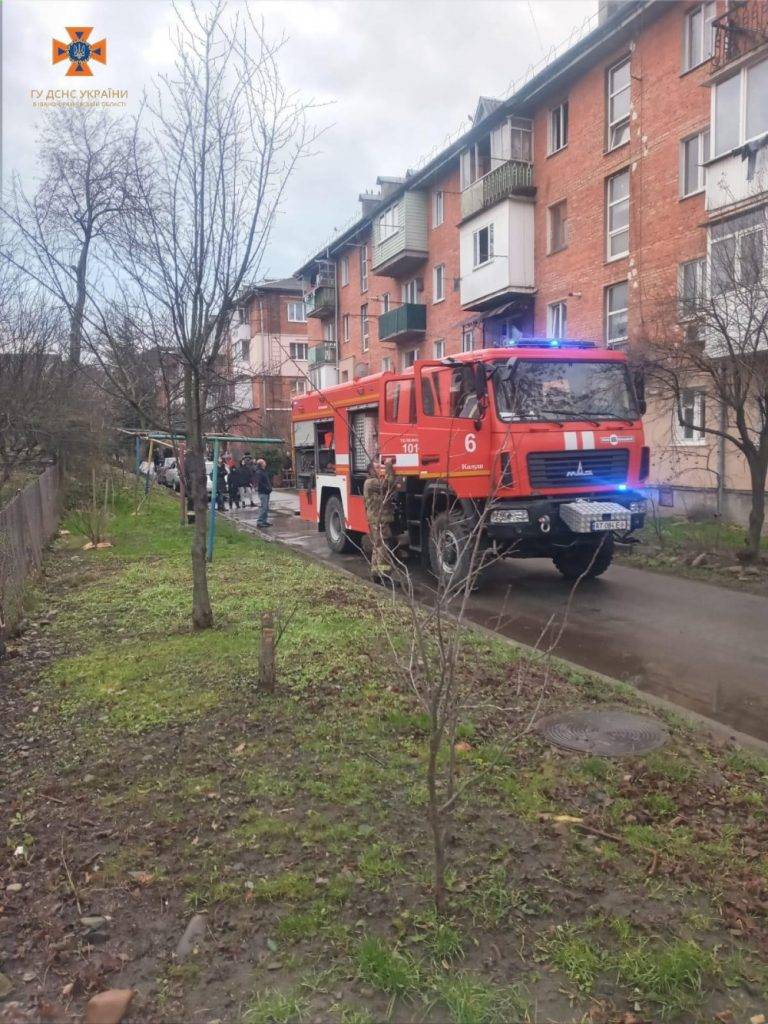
x=225 y=136
x=713 y=336
x=84 y=193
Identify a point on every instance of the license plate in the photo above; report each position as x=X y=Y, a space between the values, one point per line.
x=609 y=524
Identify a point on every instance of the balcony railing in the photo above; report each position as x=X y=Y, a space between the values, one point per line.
x=321 y=301
x=404 y=323
x=511 y=178
x=320 y=354
x=742 y=28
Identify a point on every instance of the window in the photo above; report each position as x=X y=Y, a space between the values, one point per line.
x=242 y=315
x=557 y=320
x=558 y=128
x=345 y=327
x=699 y=35
x=438 y=283
x=449 y=391
x=741 y=108
x=410 y=291
x=737 y=253
x=389 y=223
x=618 y=104
x=468 y=339
x=439 y=349
x=385 y=302
x=298 y=387
x=558 y=226
x=475 y=162
x=483 y=245
x=691 y=412
x=409 y=357
x=400 y=400
x=694 y=153
x=299 y=350
x=245 y=349
x=437 y=209
x=364 y=329
x=363 y=268
x=386 y=365
x=616 y=305
x=690 y=286
x=617 y=220
x=520 y=143
x=344 y=269
x=296 y=313
x=329 y=332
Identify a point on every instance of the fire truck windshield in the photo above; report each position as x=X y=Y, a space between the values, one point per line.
x=558 y=389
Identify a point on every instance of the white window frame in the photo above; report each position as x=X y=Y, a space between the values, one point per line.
x=298 y=387
x=386 y=364
x=329 y=332
x=242 y=315
x=611 y=95
x=609 y=314
x=439 y=351
x=738 y=235
x=344 y=270
x=699 y=265
x=701 y=141
x=558 y=128
x=468 y=339
x=410 y=291
x=385 y=302
x=550 y=233
x=708 y=10
x=299 y=350
x=363 y=268
x=438 y=283
x=365 y=328
x=697 y=403
x=610 y=204
x=557 y=319
x=410 y=355
x=438 y=208
x=345 y=333
x=476 y=262
x=245 y=349
x=743 y=75
x=293 y=310
x=389 y=223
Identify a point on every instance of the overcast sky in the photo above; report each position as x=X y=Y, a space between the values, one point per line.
x=397 y=76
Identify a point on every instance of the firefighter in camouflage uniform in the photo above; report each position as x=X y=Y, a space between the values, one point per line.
x=378 y=495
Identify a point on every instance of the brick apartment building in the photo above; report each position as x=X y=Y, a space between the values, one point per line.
x=580 y=207
x=267 y=356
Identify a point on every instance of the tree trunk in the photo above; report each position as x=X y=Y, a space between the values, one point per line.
x=757 y=474
x=194 y=463
x=76 y=319
x=267 y=672
x=436 y=825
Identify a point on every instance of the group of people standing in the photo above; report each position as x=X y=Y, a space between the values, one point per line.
x=242 y=482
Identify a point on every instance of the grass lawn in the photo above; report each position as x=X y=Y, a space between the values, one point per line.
x=145 y=780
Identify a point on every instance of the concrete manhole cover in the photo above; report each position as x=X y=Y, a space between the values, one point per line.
x=608 y=732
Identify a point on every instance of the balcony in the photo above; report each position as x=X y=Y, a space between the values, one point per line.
x=513 y=178
x=321 y=301
x=400 y=236
x=742 y=28
x=404 y=323
x=319 y=355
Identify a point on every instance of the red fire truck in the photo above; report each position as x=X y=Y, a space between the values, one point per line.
x=540 y=444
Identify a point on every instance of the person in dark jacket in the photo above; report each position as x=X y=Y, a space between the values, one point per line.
x=221 y=485
x=234 y=483
x=264 y=488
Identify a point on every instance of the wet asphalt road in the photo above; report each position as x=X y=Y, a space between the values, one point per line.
x=695 y=644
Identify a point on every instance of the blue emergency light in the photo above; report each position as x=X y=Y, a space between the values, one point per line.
x=546 y=343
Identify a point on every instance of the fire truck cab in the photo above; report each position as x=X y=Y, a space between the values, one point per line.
x=538 y=445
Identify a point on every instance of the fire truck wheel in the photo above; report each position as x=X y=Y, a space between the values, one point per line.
x=450 y=548
x=581 y=560
x=336 y=533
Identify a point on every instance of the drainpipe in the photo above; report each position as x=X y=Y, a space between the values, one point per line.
x=721 y=462
x=336 y=325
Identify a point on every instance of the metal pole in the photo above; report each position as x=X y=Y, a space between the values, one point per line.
x=212 y=516
x=149 y=467
x=137 y=448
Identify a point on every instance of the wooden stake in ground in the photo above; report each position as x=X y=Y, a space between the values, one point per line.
x=267 y=672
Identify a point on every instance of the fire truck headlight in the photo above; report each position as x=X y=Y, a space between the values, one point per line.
x=638 y=506
x=509 y=515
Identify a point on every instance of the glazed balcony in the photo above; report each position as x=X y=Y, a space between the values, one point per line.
x=743 y=28
x=403 y=323
x=513 y=178
x=400 y=236
x=320 y=355
x=321 y=301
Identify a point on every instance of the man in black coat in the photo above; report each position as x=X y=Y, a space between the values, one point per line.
x=234 y=483
x=264 y=488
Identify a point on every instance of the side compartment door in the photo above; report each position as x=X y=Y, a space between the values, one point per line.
x=454 y=438
x=398 y=437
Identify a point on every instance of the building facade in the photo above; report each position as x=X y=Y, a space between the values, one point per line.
x=267 y=357
x=584 y=206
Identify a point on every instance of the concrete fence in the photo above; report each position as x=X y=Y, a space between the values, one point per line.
x=27 y=523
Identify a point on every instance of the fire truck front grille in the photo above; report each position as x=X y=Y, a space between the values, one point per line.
x=574 y=469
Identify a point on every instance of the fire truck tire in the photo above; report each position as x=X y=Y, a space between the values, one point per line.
x=336 y=533
x=581 y=560
x=450 y=548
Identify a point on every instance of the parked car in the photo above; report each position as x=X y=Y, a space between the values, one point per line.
x=171 y=476
x=162 y=473
x=147 y=468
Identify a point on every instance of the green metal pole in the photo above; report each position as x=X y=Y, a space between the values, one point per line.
x=214 y=488
x=138 y=454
